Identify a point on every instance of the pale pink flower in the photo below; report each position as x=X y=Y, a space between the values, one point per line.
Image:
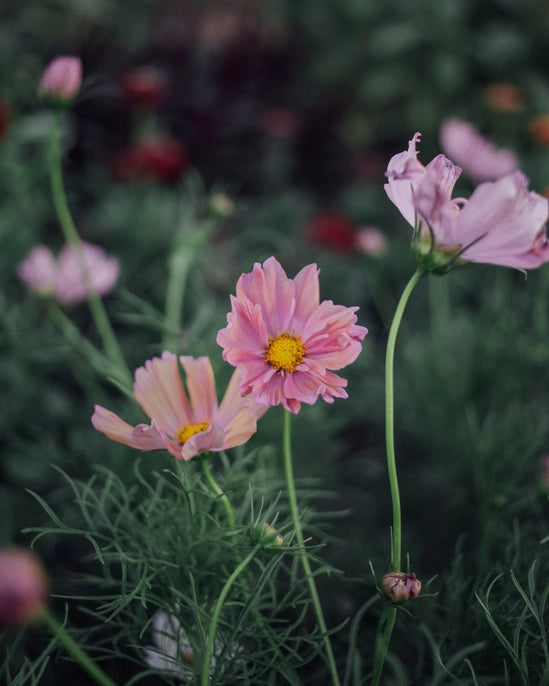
x=67 y=278
x=61 y=80
x=502 y=223
x=285 y=341
x=478 y=158
x=184 y=424
x=371 y=241
x=24 y=587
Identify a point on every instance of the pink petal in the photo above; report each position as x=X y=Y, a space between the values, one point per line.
x=142 y=436
x=159 y=390
x=201 y=386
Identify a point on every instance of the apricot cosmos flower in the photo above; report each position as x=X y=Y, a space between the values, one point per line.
x=185 y=425
x=502 y=223
x=64 y=277
x=285 y=341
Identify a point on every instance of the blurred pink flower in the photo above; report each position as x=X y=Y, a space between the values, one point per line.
x=502 y=223
x=478 y=158
x=371 y=241
x=24 y=587
x=185 y=425
x=61 y=80
x=64 y=277
x=285 y=341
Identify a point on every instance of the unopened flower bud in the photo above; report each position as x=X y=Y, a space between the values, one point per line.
x=221 y=206
x=400 y=587
x=61 y=81
x=23 y=587
x=266 y=536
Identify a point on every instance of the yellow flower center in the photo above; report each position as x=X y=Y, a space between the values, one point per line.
x=284 y=352
x=184 y=432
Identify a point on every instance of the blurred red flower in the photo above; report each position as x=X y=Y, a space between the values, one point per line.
x=144 y=86
x=160 y=158
x=332 y=230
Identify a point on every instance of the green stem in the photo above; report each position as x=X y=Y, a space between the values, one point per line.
x=76 y=651
x=206 y=665
x=110 y=343
x=218 y=491
x=383 y=638
x=396 y=539
x=290 y=483
x=179 y=267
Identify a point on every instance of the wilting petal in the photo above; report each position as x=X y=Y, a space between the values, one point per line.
x=142 y=436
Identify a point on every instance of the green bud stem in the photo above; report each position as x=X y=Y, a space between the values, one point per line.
x=100 y=317
x=290 y=484
x=387 y=620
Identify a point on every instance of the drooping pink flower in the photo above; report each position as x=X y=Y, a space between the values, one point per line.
x=183 y=422
x=502 y=223
x=68 y=277
x=61 y=80
x=24 y=587
x=478 y=158
x=285 y=341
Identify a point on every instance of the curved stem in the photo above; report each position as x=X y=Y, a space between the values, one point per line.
x=110 y=343
x=218 y=491
x=206 y=665
x=75 y=650
x=290 y=483
x=396 y=542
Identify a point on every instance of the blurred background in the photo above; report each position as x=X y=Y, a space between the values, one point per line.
x=287 y=114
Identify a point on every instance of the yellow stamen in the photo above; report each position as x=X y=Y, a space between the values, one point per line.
x=285 y=352
x=184 y=432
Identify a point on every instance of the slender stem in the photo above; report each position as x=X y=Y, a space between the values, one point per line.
x=218 y=491
x=290 y=483
x=206 y=665
x=179 y=267
x=76 y=651
x=383 y=638
x=396 y=540
x=110 y=343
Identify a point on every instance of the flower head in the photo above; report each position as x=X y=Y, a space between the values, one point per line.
x=24 y=587
x=144 y=86
x=285 y=341
x=501 y=223
x=332 y=230
x=400 y=587
x=61 y=81
x=184 y=424
x=371 y=241
x=68 y=277
x=173 y=653
x=156 y=157
x=478 y=158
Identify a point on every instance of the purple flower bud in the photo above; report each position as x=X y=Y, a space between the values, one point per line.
x=61 y=81
x=400 y=587
x=23 y=587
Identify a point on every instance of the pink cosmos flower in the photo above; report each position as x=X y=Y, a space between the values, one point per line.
x=285 y=341
x=185 y=425
x=66 y=277
x=61 y=80
x=479 y=159
x=24 y=587
x=501 y=223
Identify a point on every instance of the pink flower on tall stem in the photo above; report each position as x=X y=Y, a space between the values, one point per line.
x=285 y=341
x=69 y=277
x=502 y=223
x=61 y=80
x=184 y=424
x=478 y=158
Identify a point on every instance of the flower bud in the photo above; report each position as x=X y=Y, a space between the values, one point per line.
x=23 y=587
x=61 y=81
x=266 y=536
x=400 y=587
